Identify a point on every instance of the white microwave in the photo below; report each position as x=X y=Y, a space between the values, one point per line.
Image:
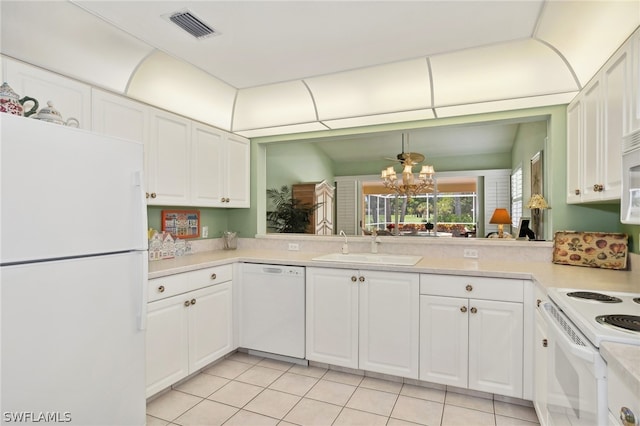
x=630 y=203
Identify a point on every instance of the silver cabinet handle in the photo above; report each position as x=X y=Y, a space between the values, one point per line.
x=545 y=343
x=193 y=301
x=354 y=279
x=161 y=289
x=469 y=287
x=361 y=279
x=187 y=303
x=577 y=191
x=213 y=276
x=153 y=195
x=474 y=310
x=598 y=187
x=463 y=309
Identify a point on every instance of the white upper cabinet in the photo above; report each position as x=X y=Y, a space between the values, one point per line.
x=169 y=158
x=118 y=116
x=186 y=163
x=597 y=119
x=70 y=97
x=634 y=115
x=219 y=170
x=237 y=163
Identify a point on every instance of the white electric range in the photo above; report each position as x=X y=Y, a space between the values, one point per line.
x=578 y=321
x=601 y=315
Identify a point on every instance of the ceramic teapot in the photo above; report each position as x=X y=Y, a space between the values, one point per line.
x=52 y=115
x=11 y=103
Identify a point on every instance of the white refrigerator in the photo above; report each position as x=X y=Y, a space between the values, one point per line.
x=73 y=272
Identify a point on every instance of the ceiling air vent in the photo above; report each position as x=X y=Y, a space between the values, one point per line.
x=192 y=24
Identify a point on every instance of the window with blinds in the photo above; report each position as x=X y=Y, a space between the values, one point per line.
x=516 y=197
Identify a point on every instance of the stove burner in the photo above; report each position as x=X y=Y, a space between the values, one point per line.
x=628 y=322
x=598 y=297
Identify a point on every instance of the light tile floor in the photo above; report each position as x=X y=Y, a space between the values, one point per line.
x=246 y=390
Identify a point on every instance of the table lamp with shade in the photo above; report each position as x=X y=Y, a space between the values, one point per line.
x=500 y=217
x=537 y=203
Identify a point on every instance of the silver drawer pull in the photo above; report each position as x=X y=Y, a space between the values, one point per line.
x=161 y=289
x=213 y=276
x=187 y=303
x=463 y=309
x=474 y=310
x=193 y=301
x=469 y=287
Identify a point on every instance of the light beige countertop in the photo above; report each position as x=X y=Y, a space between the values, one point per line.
x=545 y=274
x=625 y=359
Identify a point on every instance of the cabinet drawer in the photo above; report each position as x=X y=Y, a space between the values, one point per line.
x=161 y=288
x=208 y=276
x=504 y=289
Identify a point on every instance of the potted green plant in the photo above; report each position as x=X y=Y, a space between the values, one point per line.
x=289 y=215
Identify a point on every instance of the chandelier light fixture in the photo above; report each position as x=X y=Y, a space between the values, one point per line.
x=410 y=184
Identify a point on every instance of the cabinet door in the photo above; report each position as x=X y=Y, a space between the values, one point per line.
x=167 y=356
x=495 y=347
x=210 y=324
x=574 y=151
x=332 y=316
x=208 y=166
x=444 y=344
x=591 y=140
x=238 y=171
x=616 y=90
x=540 y=369
x=634 y=99
x=389 y=321
x=70 y=97
x=122 y=118
x=169 y=157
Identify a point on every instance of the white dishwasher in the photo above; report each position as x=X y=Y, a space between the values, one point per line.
x=272 y=306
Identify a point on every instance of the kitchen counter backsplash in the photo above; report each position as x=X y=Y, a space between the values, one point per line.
x=490 y=250
x=437 y=248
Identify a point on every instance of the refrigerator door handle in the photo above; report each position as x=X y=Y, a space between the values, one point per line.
x=142 y=316
x=142 y=210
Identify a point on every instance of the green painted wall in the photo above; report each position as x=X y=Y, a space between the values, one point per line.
x=292 y=163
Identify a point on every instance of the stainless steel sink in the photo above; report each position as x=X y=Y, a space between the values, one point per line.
x=370 y=258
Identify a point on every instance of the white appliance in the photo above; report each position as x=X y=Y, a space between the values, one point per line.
x=630 y=202
x=272 y=317
x=578 y=321
x=73 y=265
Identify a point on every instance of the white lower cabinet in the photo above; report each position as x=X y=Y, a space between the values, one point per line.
x=189 y=330
x=471 y=333
x=363 y=319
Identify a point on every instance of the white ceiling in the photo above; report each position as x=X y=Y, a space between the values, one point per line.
x=281 y=67
x=266 y=42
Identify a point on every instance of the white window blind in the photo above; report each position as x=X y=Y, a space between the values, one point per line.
x=347 y=207
x=497 y=194
x=516 y=196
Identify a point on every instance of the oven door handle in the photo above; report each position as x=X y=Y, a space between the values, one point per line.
x=561 y=336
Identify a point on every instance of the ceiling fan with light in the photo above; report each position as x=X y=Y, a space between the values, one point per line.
x=410 y=158
x=409 y=185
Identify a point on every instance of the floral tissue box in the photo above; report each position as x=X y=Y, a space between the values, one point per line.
x=591 y=249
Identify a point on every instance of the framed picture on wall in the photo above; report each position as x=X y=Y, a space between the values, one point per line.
x=181 y=223
x=536 y=174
